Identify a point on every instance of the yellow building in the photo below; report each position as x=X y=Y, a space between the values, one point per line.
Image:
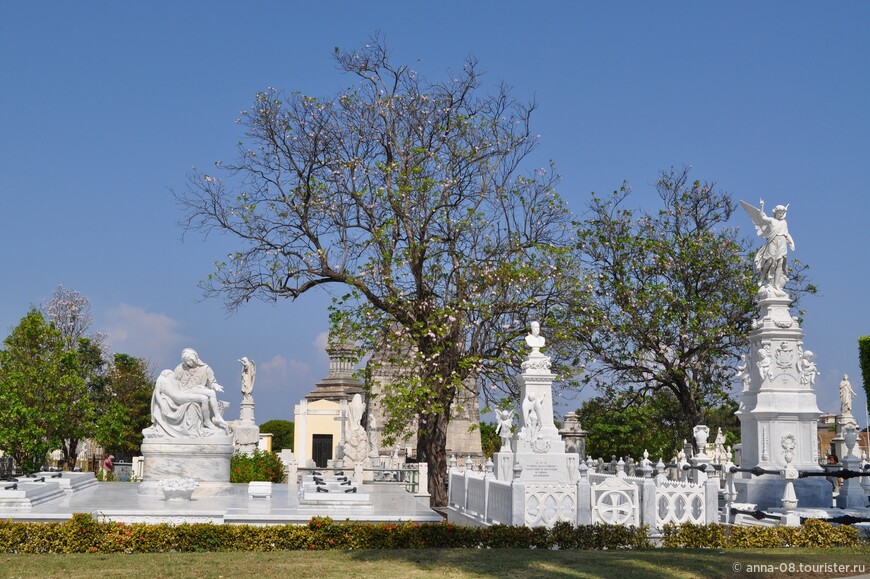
x=321 y=417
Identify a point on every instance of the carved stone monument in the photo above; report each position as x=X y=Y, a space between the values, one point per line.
x=778 y=376
x=537 y=447
x=541 y=474
x=188 y=437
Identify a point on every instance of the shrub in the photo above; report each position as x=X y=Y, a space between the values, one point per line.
x=813 y=533
x=259 y=466
x=83 y=534
x=689 y=535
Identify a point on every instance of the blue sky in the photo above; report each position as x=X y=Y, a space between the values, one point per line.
x=106 y=106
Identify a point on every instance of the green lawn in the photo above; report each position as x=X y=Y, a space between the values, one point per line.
x=439 y=563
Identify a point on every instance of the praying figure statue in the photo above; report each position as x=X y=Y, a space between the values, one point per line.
x=249 y=374
x=356 y=445
x=770 y=259
x=846 y=394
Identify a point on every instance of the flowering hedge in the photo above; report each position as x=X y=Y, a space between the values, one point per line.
x=259 y=466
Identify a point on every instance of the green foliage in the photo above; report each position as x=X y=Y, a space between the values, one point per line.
x=599 y=537
x=620 y=426
x=261 y=465
x=104 y=475
x=123 y=406
x=44 y=398
x=617 y=426
x=667 y=302
x=489 y=440
x=70 y=313
x=813 y=533
x=82 y=534
x=282 y=433
x=864 y=361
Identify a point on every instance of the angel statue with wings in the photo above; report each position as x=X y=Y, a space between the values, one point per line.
x=770 y=259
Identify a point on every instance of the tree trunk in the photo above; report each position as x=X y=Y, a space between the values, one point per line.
x=431 y=447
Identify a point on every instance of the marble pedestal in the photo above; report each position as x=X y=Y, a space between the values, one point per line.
x=766 y=491
x=779 y=402
x=205 y=459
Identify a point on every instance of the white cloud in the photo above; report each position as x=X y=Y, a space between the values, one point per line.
x=321 y=341
x=280 y=372
x=137 y=332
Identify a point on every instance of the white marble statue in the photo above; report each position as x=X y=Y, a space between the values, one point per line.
x=719 y=447
x=532 y=414
x=846 y=394
x=184 y=403
x=763 y=362
x=249 y=374
x=742 y=373
x=771 y=258
x=808 y=368
x=503 y=429
x=535 y=340
x=536 y=362
x=356 y=446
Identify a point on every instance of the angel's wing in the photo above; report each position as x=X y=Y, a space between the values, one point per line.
x=527 y=404
x=756 y=215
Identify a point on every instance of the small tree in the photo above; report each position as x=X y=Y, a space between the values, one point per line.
x=408 y=194
x=41 y=391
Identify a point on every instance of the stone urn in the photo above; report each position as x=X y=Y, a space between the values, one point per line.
x=850 y=436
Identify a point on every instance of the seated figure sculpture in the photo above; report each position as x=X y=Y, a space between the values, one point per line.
x=184 y=403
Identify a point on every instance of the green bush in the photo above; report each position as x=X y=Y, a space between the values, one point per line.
x=83 y=534
x=813 y=533
x=259 y=466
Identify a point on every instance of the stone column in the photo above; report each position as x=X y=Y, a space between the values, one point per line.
x=648 y=498
x=584 y=496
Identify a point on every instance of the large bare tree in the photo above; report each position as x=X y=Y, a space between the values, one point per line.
x=411 y=195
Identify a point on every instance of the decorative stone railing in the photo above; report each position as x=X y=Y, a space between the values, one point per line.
x=680 y=502
x=593 y=498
